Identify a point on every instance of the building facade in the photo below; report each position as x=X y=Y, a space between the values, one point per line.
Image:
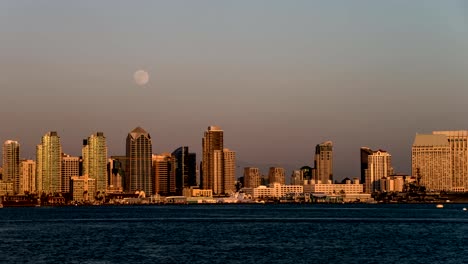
x=94 y=153
x=11 y=164
x=276 y=175
x=70 y=168
x=164 y=178
x=458 y=158
x=139 y=161
x=185 y=169
x=27 y=176
x=213 y=144
x=431 y=160
x=252 y=177
x=323 y=162
x=365 y=152
x=379 y=166
x=49 y=164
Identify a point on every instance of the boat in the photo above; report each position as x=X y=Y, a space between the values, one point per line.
x=464 y=209
x=440 y=206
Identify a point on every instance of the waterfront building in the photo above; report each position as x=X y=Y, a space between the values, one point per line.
x=70 y=168
x=297 y=177
x=197 y=192
x=211 y=164
x=351 y=187
x=276 y=175
x=219 y=163
x=458 y=142
x=49 y=164
x=116 y=172
x=11 y=163
x=83 y=188
x=117 y=175
x=252 y=178
x=275 y=190
x=164 y=178
x=27 y=176
x=365 y=152
x=185 y=169
x=379 y=166
x=323 y=162
x=6 y=187
x=139 y=161
x=94 y=153
x=229 y=171
x=392 y=183
x=432 y=161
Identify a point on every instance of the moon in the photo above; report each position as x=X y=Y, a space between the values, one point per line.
x=141 y=77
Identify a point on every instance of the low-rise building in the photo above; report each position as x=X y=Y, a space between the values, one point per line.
x=351 y=187
x=83 y=188
x=6 y=187
x=275 y=190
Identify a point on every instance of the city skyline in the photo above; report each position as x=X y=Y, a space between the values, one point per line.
x=292 y=74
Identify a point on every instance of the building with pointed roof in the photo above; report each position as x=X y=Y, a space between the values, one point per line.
x=139 y=150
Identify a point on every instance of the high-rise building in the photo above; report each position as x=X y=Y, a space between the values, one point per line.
x=431 y=160
x=70 y=168
x=118 y=166
x=164 y=179
x=252 y=177
x=458 y=157
x=323 y=162
x=276 y=175
x=212 y=154
x=379 y=166
x=365 y=152
x=11 y=163
x=94 y=153
x=116 y=171
x=139 y=161
x=297 y=177
x=49 y=164
x=27 y=176
x=229 y=172
x=185 y=169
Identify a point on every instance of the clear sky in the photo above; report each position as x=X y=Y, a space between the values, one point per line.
x=278 y=76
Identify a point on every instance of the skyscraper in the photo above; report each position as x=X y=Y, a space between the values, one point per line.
x=252 y=177
x=277 y=175
x=379 y=166
x=431 y=160
x=70 y=168
x=229 y=172
x=139 y=161
x=11 y=163
x=323 y=162
x=28 y=176
x=164 y=179
x=211 y=164
x=49 y=164
x=365 y=152
x=185 y=169
x=458 y=157
x=94 y=153
x=116 y=172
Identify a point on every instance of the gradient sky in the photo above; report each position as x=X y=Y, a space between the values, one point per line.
x=278 y=76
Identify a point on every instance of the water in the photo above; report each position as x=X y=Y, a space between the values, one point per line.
x=235 y=234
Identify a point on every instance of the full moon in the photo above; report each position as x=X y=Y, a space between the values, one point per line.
x=141 y=77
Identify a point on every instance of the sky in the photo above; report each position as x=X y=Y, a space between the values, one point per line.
x=277 y=76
